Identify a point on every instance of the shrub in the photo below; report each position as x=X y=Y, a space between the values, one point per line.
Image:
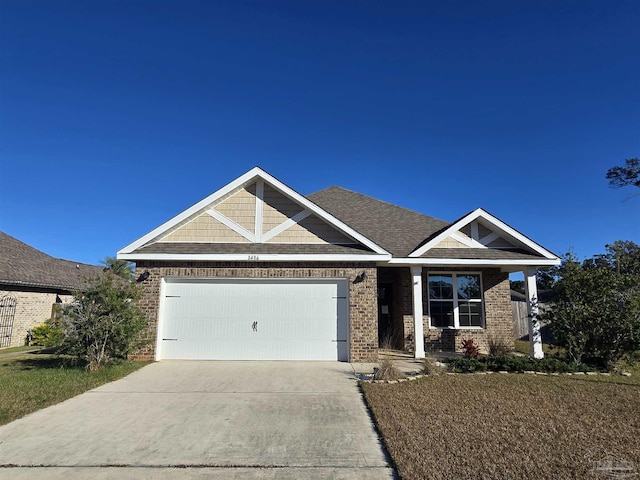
x=596 y=314
x=512 y=363
x=388 y=371
x=470 y=349
x=103 y=323
x=497 y=347
x=431 y=368
x=48 y=334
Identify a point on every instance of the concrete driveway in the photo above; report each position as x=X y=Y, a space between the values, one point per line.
x=261 y=420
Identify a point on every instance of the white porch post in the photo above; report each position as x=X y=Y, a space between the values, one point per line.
x=531 y=291
x=418 y=330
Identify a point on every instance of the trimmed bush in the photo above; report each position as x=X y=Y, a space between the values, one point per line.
x=48 y=334
x=512 y=363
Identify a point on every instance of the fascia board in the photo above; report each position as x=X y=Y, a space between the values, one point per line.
x=251 y=257
x=473 y=261
x=480 y=213
x=250 y=175
x=298 y=198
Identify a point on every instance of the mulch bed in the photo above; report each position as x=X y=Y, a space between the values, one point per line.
x=507 y=426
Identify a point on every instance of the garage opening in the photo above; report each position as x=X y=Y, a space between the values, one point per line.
x=254 y=319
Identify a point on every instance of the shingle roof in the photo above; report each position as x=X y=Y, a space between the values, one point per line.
x=23 y=265
x=396 y=229
x=250 y=248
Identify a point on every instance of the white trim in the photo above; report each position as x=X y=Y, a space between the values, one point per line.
x=475 y=231
x=489 y=238
x=531 y=292
x=472 y=261
x=469 y=242
x=232 y=225
x=455 y=301
x=259 y=210
x=418 y=314
x=495 y=222
x=255 y=257
x=285 y=225
x=250 y=176
x=163 y=289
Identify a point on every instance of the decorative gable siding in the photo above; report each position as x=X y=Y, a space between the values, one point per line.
x=450 y=243
x=276 y=209
x=240 y=207
x=311 y=230
x=204 y=228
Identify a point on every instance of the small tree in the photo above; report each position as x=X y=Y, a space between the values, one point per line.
x=121 y=268
x=103 y=323
x=596 y=312
x=625 y=176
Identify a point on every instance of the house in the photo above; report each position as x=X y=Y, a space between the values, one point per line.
x=31 y=282
x=259 y=271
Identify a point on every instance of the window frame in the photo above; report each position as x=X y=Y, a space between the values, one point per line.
x=455 y=301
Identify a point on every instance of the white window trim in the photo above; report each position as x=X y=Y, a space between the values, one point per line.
x=456 y=312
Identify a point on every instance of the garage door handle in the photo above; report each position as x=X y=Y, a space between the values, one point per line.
x=175 y=339
x=338 y=340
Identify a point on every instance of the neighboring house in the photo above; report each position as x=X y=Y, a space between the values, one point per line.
x=258 y=271
x=31 y=282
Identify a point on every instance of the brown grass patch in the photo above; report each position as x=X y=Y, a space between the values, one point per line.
x=506 y=426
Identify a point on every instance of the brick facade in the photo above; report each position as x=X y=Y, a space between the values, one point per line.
x=497 y=311
x=33 y=307
x=363 y=315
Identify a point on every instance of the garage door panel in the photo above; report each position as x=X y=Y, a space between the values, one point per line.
x=295 y=320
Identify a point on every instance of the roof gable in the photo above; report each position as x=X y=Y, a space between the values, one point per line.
x=256 y=208
x=480 y=230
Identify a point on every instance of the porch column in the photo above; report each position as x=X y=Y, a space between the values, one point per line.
x=531 y=291
x=418 y=330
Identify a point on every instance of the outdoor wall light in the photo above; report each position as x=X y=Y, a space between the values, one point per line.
x=360 y=278
x=143 y=276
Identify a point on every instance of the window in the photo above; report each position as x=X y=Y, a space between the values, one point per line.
x=455 y=300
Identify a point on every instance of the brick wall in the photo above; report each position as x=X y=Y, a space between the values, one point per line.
x=497 y=311
x=32 y=309
x=363 y=314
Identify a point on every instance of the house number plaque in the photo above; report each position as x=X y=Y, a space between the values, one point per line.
x=254 y=257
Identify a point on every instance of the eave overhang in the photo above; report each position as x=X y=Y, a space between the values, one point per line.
x=268 y=257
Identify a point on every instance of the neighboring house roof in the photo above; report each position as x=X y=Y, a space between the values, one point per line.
x=22 y=265
x=398 y=230
x=544 y=296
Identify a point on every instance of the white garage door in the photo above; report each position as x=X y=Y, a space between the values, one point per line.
x=254 y=319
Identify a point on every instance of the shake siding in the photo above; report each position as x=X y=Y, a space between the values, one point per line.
x=276 y=209
x=241 y=208
x=205 y=228
x=450 y=243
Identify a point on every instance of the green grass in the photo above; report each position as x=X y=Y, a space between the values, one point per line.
x=33 y=381
x=507 y=426
x=22 y=348
x=522 y=346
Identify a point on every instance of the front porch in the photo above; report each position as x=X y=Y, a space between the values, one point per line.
x=429 y=309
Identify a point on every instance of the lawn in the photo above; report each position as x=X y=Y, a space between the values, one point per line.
x=32 y=381
x=507 y=426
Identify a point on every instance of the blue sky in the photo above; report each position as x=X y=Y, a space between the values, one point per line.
x=117 y=115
